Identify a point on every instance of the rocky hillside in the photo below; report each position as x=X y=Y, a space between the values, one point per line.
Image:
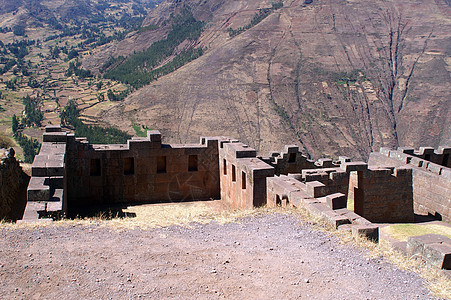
x=336 y=77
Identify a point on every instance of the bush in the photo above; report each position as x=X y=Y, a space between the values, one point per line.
x=19 y=30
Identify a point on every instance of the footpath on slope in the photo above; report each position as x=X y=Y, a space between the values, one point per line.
x=263 y=256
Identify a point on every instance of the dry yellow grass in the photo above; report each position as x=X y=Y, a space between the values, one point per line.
x=153 y=216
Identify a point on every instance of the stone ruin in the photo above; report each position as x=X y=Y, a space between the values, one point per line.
x=13 y=186
x=70 y=173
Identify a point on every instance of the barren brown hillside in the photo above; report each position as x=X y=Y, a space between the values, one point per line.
x=336 y=77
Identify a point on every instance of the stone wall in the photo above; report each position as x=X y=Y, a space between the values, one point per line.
x=379 y=195
x=142 y=171
x=383 y=195
x=242 y=176
x=290 y=160
x=431 y=182
x=438 y=156
x=13 y=187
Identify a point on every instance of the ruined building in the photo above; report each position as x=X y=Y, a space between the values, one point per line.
x=70 y=173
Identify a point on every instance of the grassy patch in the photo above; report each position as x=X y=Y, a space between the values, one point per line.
x=350 y=204
x=139 y=130
x=402 y=232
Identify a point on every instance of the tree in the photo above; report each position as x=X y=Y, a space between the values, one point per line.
x=55 y=53
x=15 y=124
x=19 y=30
x=72 y=54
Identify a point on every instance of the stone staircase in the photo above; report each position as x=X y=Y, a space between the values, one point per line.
x=45 y=193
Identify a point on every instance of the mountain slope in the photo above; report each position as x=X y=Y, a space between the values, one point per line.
x=336 y=77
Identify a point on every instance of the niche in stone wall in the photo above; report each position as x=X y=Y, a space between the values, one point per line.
x=129 y=166
x=95 y=169
x=161 y=164
x=192 y=163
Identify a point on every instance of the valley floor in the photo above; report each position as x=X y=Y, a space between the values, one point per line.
x=268 y=256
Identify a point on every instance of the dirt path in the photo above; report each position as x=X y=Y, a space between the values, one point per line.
x=273 y=256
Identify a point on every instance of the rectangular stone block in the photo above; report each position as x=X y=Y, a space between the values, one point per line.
x=370 y=231
x=315 y=189
x=438 y=255
x=56 y=182
x=53 y=128
x=417 y=162
x=334 y=219
x=55 y=137
x=434 y=168
x=344 y=159
x=37 y=190
x=426 y=150
x=435 y=249
x=55 y=206
x=354 y=166
x=325 y=162
x=406 y=150
x=444 y=150
x=154 y=135
x=338 y=176
x=55 y=171
x=336 y=201
x=31 y=211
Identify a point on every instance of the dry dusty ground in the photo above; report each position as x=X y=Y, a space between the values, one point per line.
x=262 y=256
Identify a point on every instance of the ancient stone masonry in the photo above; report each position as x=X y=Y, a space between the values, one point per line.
x=243 y=176
x=13 y=182
x=431 y=180
x=291 y=161
x=70 y=172
x=142 y=171
x=46 y=190
x=286 y=190
x=435 y=249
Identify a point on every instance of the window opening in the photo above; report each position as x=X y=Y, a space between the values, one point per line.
x=225 y=167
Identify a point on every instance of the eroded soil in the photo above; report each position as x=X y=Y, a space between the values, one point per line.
x=265 y=257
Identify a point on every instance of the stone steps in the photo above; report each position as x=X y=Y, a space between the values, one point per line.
x=46 y=188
